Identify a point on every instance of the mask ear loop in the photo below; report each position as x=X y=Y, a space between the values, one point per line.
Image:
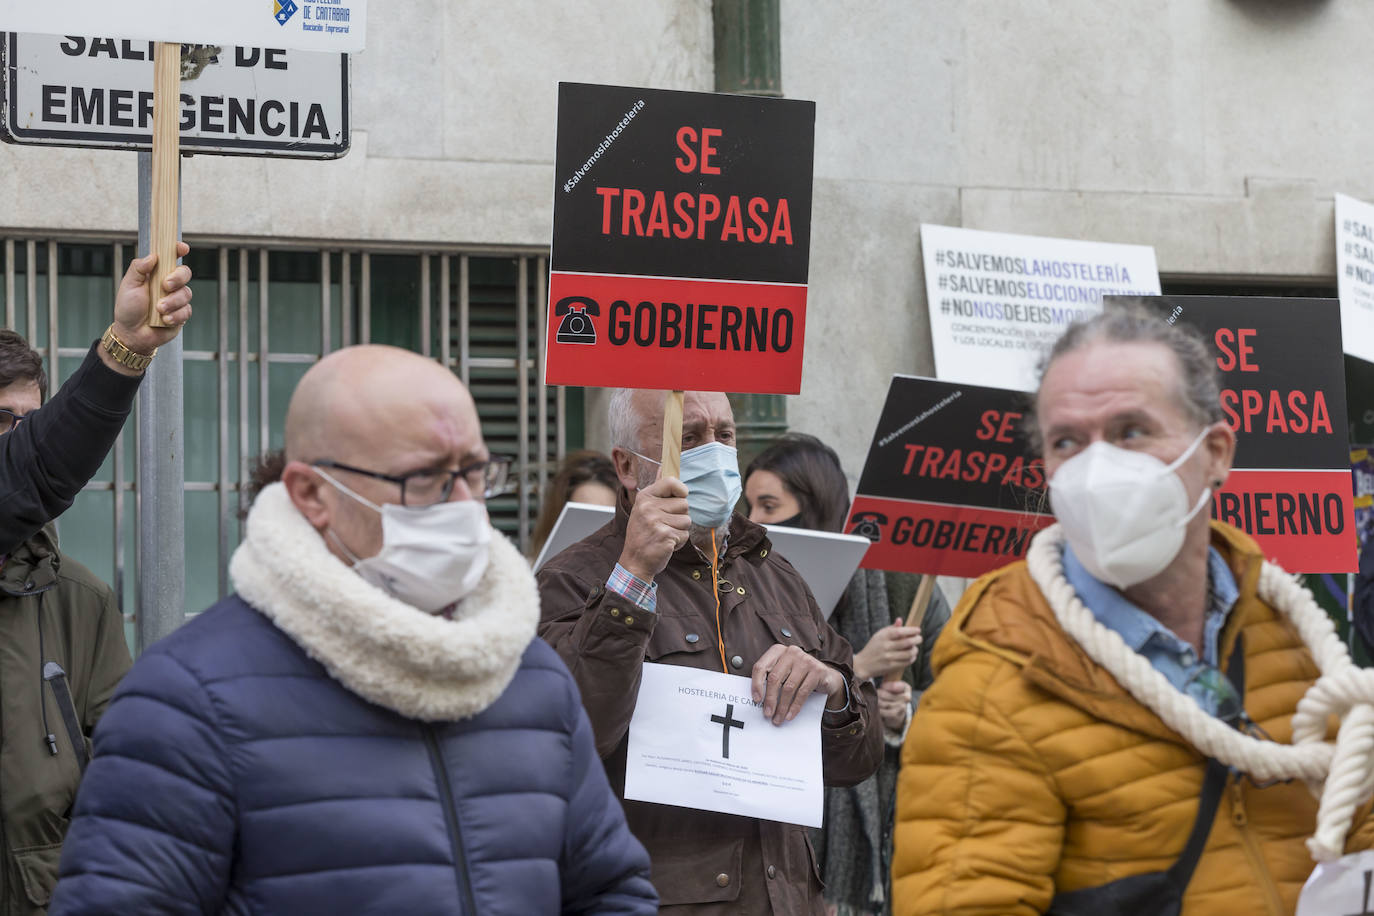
x=715 y=590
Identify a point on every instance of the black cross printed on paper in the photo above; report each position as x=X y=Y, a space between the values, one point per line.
x=727 y=722
x=1364 y=909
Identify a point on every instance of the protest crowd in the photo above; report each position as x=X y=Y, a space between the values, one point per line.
x=1062 y=644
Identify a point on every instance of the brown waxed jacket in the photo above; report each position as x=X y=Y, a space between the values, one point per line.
x=704 y=863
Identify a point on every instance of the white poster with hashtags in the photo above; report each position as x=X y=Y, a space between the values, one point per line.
x=1355 y=275
x=698 y=740
x=998 y=301
x=305 y=25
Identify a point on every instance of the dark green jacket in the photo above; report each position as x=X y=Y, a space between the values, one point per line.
x=51 y=601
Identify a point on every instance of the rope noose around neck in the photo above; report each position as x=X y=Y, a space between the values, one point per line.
x=1340 y=775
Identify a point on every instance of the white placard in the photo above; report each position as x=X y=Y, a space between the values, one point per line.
x=826 y=560
x=307 y=25
x=998 y=301
x=98 y=92
x=697 y=740
x=1355 y=275
x=1340 y=888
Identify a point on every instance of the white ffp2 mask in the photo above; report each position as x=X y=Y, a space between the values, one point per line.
x=431 y=556
x=1124 y=512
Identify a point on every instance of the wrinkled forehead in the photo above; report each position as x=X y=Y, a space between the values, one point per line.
x=700 y=410
x=21 y=396
x=1104 y=377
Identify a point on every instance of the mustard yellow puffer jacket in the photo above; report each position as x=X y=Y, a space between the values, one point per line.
x=1028 y=770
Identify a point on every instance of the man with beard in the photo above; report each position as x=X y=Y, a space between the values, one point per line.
x=679 y=578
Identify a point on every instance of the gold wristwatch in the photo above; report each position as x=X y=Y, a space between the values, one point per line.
x=122 y=354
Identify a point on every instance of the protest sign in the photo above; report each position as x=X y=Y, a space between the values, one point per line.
x=1355 y=274
x=698 y=739
x=949 y=487
x=307 y=25
x=1283 y=392
x=98 y=92
x=681 y=240
x=998 y=301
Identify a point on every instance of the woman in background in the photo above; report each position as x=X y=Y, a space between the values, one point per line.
x=583 y=477
x=798 y=482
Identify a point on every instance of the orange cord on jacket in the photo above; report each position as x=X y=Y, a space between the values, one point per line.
x=715 y=590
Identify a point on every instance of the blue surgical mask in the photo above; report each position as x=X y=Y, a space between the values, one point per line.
x=711 y=473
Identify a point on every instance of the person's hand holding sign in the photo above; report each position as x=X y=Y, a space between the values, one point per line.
x=786 y=675
x=658 y=525
x=891 y=649
x=130 y=327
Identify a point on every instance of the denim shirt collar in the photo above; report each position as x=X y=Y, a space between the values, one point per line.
x=1138 y=628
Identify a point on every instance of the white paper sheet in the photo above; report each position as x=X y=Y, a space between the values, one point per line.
x=698 y=741
x=1339 y=888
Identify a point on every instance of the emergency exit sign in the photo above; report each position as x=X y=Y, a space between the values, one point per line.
x=97 y=92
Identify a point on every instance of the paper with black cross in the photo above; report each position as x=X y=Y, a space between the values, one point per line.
x=1344 y=887
x=698 y=740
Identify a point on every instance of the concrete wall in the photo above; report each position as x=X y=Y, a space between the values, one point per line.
x=453 y=115
x=1215 y=131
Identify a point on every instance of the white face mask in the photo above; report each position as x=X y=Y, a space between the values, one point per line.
x=1124 y=513
x=431 y=556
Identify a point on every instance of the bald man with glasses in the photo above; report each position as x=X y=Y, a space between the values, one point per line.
x=369 y=724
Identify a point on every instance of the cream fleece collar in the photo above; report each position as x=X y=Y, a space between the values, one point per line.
x=420 y=665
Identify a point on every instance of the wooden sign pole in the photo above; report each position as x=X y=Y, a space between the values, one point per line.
x=166 y=169
x=672 y=434
x=917 y=613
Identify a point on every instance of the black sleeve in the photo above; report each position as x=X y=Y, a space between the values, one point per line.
x=50 y=456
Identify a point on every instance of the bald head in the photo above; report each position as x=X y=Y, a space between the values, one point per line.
x=379 y=410
x=356 y=402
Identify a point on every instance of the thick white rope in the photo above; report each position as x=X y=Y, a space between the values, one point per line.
x=1340 y=775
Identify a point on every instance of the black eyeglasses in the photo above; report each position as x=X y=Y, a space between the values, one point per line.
x=428 y=488
x=9 y=420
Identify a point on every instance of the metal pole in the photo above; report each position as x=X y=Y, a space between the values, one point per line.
x=161 y=468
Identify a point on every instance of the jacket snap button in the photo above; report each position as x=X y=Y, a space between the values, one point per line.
x=722 y=879
x=691 y=637
x=629 y=621
x=763 y=553
x=615 y=612
x=738 y=663
x=772 y=871
x=740 y=589
x=696 y=574
x=786 y=632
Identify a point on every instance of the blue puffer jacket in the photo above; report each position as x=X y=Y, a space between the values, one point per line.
x=232 y=774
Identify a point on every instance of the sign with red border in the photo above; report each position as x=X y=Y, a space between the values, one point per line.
x=949 y=487
x=681 y=240
x=1283 y=392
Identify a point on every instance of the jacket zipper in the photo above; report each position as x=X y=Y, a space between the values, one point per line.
x=455 y=833
x=1252 y=850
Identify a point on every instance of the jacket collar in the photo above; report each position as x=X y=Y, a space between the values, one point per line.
x=32 y=567
x=745 y=536
x=420 y=665
x=1005 y=613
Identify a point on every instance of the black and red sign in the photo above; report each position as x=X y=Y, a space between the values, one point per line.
x=681 y=237
x=950 y=486
x=1283 y=392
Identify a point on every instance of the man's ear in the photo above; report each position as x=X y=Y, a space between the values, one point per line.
x=306 y=489
x=1220 y=444
x=625 y=468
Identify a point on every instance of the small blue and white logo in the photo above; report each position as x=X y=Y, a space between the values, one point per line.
x=282 y=10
